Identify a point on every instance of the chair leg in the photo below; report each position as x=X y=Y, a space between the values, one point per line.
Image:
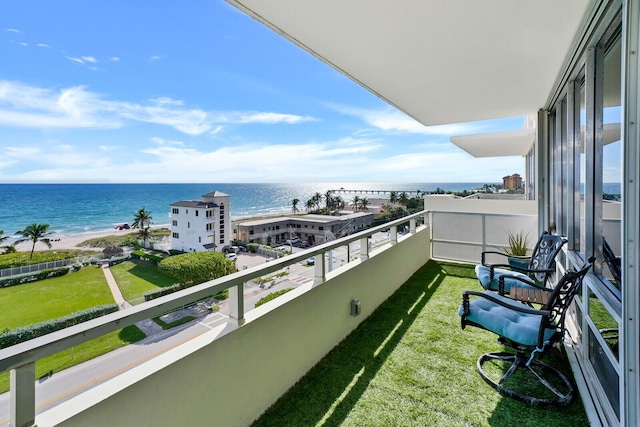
x=563 y=393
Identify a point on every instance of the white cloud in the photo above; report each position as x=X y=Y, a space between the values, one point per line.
x=114 y=59
x=13 y=30
x=27 y=106
x=76 y=60
x=90 y=59
x=155 y=58
x=106 y=148
x=43 y=45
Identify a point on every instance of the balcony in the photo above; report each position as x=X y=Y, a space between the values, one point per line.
x=405 y=360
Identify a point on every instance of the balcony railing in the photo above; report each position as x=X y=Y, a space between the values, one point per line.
x=373 y=281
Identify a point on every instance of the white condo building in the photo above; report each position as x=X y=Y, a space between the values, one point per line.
x=201 y=225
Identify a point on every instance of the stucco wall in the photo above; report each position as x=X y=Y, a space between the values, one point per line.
x=228 y=378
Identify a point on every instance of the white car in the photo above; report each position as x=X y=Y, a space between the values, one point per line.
x=232 y=256
x=292 y=241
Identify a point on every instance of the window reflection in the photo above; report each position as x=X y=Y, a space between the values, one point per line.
x=611 y=147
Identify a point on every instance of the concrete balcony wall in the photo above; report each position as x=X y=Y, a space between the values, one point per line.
x=230 y=375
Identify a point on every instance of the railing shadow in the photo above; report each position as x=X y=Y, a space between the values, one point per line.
x=349 y=371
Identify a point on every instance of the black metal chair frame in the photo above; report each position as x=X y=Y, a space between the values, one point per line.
x=613 y=262
x=541 y=262
x=552 y=315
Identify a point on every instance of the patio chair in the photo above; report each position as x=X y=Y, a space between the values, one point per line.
x=527 y=331
x=541 y=265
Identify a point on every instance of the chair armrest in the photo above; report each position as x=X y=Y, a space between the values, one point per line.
x=490 y=252
x=502 y=301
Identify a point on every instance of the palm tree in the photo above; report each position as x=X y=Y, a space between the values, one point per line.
x=142 y=220
x=364 y=202
x=310 y=204
x=294 y=205
x=35 y=233
x=355 y=203
x=9 y=248
x=403 y=199
x=317 y=198
x=393 y=197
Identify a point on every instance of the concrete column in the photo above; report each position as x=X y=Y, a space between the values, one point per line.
x=23 y=395
x=412 y=226
x=319 y=275
x=236 y=304
x=393 y=235
x=364 y=249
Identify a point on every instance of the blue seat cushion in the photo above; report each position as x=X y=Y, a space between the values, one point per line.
x=483 y=274
x=518 y=327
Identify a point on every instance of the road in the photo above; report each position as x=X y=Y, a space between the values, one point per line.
x=61 y=386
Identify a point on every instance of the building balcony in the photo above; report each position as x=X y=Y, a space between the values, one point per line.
x=401 y=360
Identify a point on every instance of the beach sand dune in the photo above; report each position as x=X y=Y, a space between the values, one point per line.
x=71 y=241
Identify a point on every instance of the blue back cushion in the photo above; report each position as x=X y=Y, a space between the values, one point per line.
x=482 y=272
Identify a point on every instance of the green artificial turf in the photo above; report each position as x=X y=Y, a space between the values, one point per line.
x=42 y=300
x=410 y=364
x=135 y=278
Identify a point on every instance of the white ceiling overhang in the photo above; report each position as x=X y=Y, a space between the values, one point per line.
x=497 y=144
x=438 y=61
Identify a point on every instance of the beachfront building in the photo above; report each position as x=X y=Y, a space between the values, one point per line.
x=512 y=182
x=201 y=225
x=573 y=64
x=311 y=228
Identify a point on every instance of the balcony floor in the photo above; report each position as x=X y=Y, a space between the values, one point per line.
x=410 y=364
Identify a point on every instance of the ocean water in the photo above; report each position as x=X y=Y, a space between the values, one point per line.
x=83 y=208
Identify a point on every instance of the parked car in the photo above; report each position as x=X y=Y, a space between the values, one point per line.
x=311 y=261
x=232 y=256
x=292 y=241
x=304 y=244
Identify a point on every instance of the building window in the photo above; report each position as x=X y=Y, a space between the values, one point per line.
x=175 y=211
x=188 y=225
x=197 y=212
x=199 y=239
x=210 y=226
x=174 y=223
x=321 y=228
x=176 y=235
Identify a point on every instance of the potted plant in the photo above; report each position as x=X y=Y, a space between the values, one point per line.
x=517 y=249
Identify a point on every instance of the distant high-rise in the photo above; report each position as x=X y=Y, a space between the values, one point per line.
x=512 y=182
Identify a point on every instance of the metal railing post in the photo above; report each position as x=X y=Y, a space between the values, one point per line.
x=236 y=303
x=23 y=395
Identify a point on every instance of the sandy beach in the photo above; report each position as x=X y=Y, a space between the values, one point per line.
x=70 y=241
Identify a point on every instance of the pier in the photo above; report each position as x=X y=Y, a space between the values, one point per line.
x=409 y=193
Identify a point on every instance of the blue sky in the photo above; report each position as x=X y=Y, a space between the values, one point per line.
x=141 y=91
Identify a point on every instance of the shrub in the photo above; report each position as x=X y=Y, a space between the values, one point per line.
x=19 y=259
x=155 y=259
x=253 y=247
x=272 y=296
x=196 y=267
x=25 y=333
x=32 y=277
x=162 y=292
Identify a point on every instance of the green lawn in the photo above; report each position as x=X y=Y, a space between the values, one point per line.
x=80 y=353
x=410 y=364
x=35 y=302
x=135 y=278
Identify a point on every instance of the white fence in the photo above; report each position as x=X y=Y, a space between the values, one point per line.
x=34 y=268
x=462 y=236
